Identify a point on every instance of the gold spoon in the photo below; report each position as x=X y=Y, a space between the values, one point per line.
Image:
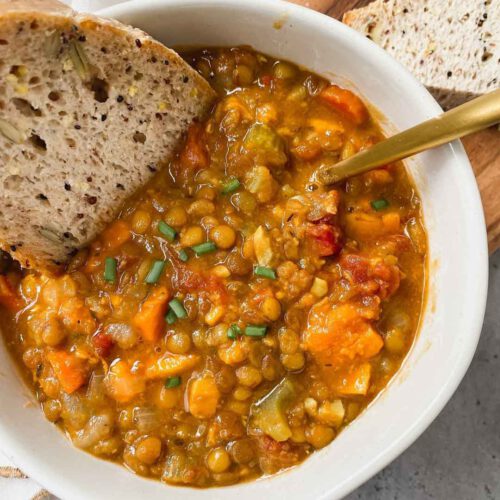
x=470 y=117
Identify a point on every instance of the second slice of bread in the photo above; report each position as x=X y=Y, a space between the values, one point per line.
x=452 y=47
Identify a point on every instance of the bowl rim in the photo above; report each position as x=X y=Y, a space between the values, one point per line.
x=41 y=471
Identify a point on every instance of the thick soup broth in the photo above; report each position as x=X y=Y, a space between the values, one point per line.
x=236 y=316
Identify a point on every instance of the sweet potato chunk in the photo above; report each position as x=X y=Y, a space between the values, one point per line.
x=150 y=319
x=122 y=383
x=203 y=396
x=365 y=226
x=69 y=370
x=353 y=381
x=336 y=336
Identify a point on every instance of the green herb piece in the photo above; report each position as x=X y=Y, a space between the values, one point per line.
x=233 y=332
x=204 y=248
x=110 y=265
x=170 y=318
x=379 y=204
x=155 y=271
x=169 y=232
x=230 y=186
x=172 y=382
x=183 y=255
x=265 y=272
x=178 y=308
x=255 y=331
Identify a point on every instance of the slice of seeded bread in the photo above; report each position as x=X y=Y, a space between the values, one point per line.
x=452 y=46
x=88 y=110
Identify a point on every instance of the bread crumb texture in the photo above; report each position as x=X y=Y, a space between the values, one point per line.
x=451 y=46
x=89 y=108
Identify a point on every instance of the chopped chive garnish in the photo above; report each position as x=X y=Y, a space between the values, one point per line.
x=265 y=272
x=204 y=248
x=255 y=331
x=170 y=317
x=233 y=332
x=379 y=204
x=230 y=186
x=169 y=232
x=155 y=272
x=110 y=269
x=183 y=255
x=172 y=382
x=178 y=308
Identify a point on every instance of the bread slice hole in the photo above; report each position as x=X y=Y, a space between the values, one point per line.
x=70 y=142
x=23 y=106
x=3 y=42
x=38 y=142
x=100 y=88
x=139 y=137
x=54 y=95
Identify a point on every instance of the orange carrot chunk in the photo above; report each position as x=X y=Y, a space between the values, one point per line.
x=346 y=102
x=150 y=319
x=69 y=370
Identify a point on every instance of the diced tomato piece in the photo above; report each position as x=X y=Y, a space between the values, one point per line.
x=326 y=239
x=357 y=266
x=364 y=271
x=103 y=344
x=346 y=102
x=274 y=455
x=194 y=155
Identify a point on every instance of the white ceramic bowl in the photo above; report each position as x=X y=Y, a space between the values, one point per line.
x=457 y=278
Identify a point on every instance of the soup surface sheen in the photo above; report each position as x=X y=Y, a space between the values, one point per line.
x=236 y=316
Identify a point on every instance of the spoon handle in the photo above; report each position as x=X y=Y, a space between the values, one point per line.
x=470 y=117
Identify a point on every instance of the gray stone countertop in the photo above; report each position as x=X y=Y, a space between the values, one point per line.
x=458 y=456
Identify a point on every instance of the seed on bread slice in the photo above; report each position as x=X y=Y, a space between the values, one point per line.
x=452 y=47
x=89 y=108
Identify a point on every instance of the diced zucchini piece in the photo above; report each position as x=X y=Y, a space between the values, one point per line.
x=265 y=144
x=268 y=414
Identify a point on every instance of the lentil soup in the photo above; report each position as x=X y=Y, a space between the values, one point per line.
x=236 y=316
